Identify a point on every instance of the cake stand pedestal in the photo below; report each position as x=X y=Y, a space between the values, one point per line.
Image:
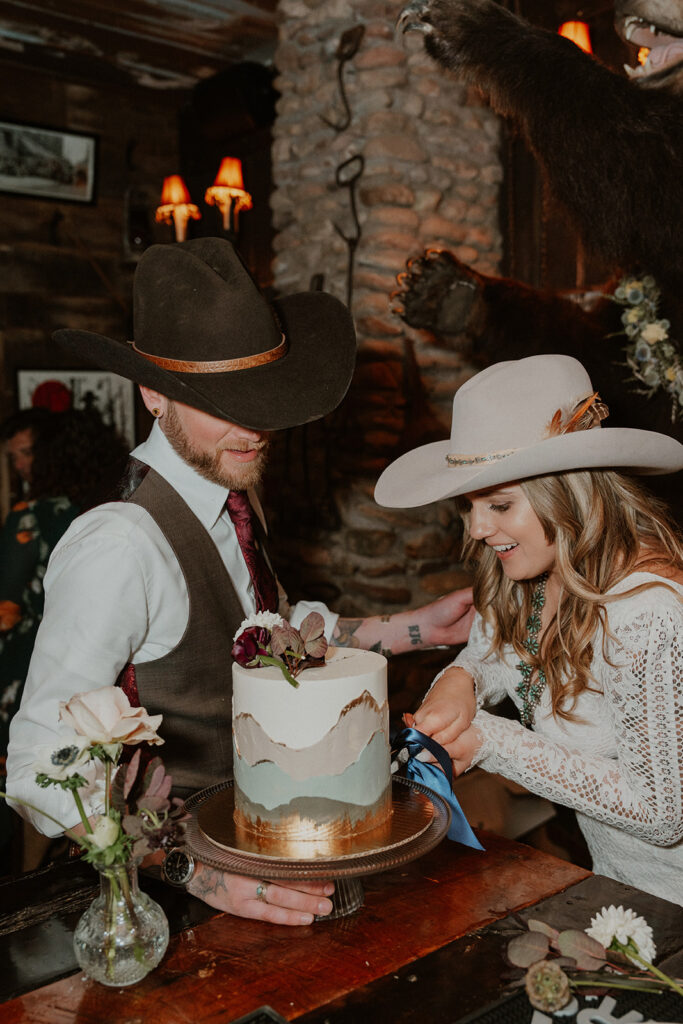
x=419 y=821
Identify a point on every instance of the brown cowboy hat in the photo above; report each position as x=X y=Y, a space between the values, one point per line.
x=204 y=335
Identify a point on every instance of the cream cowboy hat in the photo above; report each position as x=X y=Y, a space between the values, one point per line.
x=518 y=419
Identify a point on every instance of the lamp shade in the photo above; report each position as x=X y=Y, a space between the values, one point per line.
x=578 y=32
x=176 y=207
x=228 y=193
x=174 y=190
x=230 y=173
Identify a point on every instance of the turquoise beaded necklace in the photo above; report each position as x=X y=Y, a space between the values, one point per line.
x=529 y=692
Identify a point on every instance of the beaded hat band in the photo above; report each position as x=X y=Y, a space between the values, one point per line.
x=585 y=415
x=475 y=460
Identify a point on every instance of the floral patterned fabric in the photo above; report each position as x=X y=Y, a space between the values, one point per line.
x=27 y=538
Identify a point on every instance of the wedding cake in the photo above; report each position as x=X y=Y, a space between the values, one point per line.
x=312 y=763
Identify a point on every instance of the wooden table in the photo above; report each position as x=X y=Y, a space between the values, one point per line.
x=423 y=948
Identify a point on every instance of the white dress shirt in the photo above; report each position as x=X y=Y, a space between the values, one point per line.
x=114 y=594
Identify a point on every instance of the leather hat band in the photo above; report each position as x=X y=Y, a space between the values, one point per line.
x=216 y=365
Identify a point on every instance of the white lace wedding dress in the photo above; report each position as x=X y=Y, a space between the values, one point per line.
x=621 y=766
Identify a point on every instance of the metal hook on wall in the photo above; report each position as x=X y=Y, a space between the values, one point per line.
x=347 y=48
x=346 y=176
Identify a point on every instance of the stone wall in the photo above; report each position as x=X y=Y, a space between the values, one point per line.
x=431 y=179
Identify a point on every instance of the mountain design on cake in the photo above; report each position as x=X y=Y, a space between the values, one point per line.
x=313 y=763
x=330 y=755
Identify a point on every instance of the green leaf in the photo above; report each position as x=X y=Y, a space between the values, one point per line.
x=589 y=954
x=73 y=782
x=527 y=949
x=267 y=660
x=289 y=677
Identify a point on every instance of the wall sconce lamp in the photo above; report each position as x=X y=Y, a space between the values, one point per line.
x=578 y=32
x=176 y=206
x=228 y=193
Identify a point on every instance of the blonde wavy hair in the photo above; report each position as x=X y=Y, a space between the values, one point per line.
x=604 y=526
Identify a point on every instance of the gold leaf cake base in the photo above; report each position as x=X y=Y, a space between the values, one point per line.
x=419 y=820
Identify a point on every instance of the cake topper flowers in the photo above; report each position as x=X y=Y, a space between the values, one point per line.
x=265 y=638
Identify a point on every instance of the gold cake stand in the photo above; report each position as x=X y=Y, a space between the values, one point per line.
x=420 y=819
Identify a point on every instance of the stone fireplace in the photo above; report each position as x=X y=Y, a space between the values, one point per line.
x=427 y=152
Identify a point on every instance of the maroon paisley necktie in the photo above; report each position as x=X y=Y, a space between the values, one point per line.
x=265 y=585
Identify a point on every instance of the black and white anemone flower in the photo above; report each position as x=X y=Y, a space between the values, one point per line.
x=64 y=762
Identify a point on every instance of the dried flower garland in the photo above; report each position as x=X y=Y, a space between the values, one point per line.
x=651 y=353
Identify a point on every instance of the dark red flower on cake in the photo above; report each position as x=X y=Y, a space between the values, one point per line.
x=249 y=644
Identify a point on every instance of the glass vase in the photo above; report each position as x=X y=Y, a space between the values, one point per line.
x=123 y=934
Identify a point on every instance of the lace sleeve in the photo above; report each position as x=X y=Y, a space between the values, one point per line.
x=641 y=791
x=489 y=684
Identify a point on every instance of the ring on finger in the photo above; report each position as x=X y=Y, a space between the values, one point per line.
x=262 y=892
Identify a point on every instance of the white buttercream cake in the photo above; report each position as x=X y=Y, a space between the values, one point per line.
x=312 y=763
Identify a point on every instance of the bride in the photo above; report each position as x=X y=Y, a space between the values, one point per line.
x=578 y=586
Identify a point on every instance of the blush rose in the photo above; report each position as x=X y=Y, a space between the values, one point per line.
x=105 y=716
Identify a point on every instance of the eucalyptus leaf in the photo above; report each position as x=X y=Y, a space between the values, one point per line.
x=588 y=953
x=129 y=774
x=284 y=638
x=544 y=929
x=312 y=627
x=156 y=784
x=527 y=949
x=316 y=648
x=278 y=643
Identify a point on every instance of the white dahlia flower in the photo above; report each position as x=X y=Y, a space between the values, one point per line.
x=264 y=620
x=618 y=927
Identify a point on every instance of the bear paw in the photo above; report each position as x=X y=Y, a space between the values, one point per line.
x=454 y=30
x=436 y=293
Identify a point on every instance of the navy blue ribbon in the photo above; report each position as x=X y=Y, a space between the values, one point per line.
x=441 y=782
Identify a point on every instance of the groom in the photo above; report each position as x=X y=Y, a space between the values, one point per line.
x=149 y=591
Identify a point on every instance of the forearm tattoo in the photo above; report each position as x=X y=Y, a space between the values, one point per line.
x=415 y=636
x=344 y=632
x=386 y=651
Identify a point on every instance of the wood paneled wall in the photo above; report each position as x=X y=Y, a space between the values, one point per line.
x=71 y=264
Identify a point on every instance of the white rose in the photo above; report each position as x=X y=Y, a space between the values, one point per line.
x=105 y=716
x=105 y=833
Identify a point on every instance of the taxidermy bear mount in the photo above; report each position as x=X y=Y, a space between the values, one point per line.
x=620 y=179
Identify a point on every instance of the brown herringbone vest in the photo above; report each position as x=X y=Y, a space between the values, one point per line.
x=191 y=686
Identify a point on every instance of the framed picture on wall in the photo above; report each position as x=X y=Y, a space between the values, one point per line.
x=112 y=396
x=47 y=163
